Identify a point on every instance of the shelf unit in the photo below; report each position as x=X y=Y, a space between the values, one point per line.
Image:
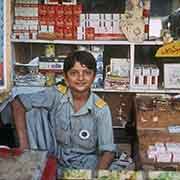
x=131 y=46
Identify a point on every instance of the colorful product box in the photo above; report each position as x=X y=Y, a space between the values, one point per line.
x=68 y=20
x=89 y=33
x=75 y=21
x=51 y=11
x=42 y=10
x=52 y=1
x=60 y=35
x=77 y=9
x=59 y=10
x=68 y=33
x=59 y=21
x=68 y=9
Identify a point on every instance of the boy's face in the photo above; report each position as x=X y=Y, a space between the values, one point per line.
x=79 y=78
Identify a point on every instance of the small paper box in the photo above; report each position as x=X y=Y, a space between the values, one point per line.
x=172 y=76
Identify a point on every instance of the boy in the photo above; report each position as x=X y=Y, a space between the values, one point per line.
x=69 y=121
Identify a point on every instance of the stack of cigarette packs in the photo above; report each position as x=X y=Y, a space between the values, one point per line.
x=145 y=77
x=168 y=152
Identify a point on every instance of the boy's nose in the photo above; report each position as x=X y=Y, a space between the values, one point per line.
x=81 y=75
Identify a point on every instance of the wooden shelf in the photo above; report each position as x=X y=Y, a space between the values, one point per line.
x=155 y=91
x=87 y=42
x=29 y=89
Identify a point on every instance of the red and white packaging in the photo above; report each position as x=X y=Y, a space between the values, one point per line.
x=176 y=157
x=68 y=33
x=43 y=21
x=27 y=10
x=77 y=9
x=68 y=9
x=52 y=1
x=51 y=29
x=76 y=21
x=146 y=15
x=59 y=10
x=60 y=21
x=42 y=10
x=51 y=11
x=43 y=28
x=152 y=152
x=68 y=20
x=165 y=157
x=89 y=33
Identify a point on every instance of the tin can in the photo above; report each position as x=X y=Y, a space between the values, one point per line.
x=50 y=50
x=50 y=79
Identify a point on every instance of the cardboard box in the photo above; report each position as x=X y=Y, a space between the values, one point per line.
x=163 y=160
x=156 y=112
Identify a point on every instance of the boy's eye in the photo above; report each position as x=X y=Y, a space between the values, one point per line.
x=88 y=72
x=83 y=73
x=73 y=73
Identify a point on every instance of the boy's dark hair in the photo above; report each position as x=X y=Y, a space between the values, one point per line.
x=83 y=57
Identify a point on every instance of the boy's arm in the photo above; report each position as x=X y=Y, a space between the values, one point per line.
x=105 y=160
x=18 y=111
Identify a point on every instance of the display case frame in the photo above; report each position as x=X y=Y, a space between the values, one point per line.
x=5 y=49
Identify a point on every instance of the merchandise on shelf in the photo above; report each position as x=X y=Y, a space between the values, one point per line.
x=116 y=83
x=171 y=22
x=168 y=152
x=169 y=50
x=146 y=15
x=121 y=109
x=45 y=21
x=153 y=148
x=54 y=64
x=135 y=21
x=145 y=77
x=97 y=52
x=157 y=112
x=52 y=20
x=69 y=2
x=118 y=75
x=99 y=26
x=171 y=76
x=70 y=174
x=158 y=125
x=160 y=174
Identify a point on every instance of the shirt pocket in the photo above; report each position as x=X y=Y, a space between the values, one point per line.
x=62 y=133
x=84 y=134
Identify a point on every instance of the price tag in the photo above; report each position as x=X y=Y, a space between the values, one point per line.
x=174 y=129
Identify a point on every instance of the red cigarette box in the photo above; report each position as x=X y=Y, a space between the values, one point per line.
x=68 y=33
x=77 y=9
x=60 y=21
x=68 y=9
x=42 y=10
x=51 y=10
x=68 y=20
x=59 y=10
x=76 y=21
x=89 y=33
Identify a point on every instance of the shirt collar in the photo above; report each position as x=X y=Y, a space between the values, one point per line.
x=86 y=108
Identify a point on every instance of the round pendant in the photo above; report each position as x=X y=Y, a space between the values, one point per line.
x=84 y=134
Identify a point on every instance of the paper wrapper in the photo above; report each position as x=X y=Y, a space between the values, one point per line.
x=133 y=28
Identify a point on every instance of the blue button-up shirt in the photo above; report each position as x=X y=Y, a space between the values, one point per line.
x=85 y=132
